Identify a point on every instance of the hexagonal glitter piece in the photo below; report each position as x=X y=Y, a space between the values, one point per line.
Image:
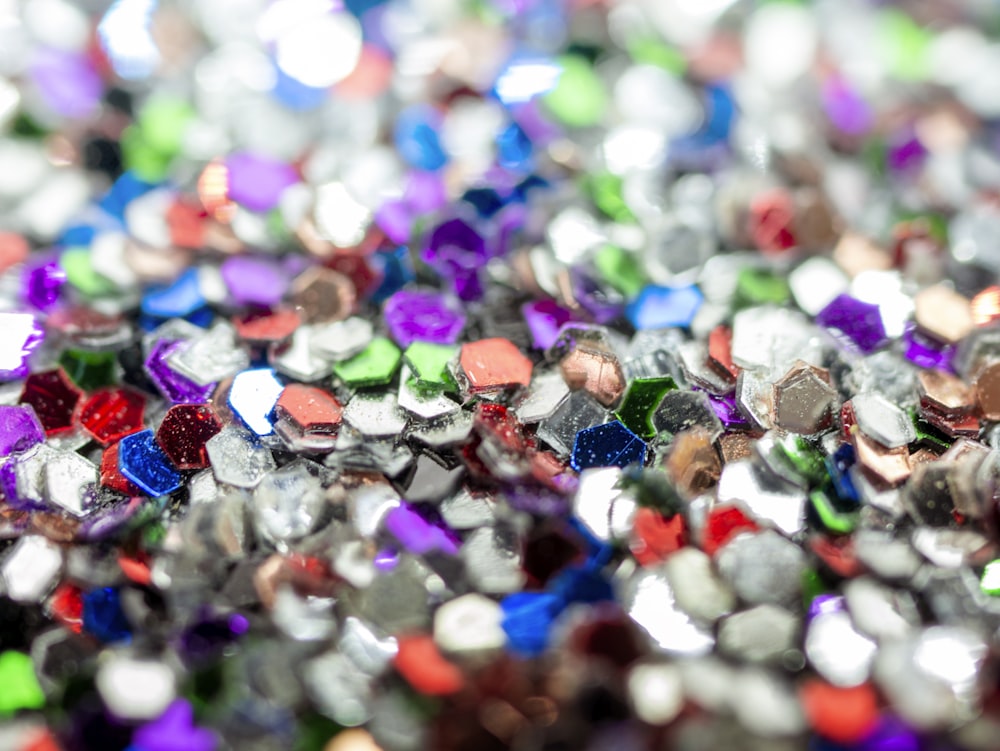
x=237 y=457
x=310 y=409
x=429 y=364
x=943 y=392
x=598 y=372
x=494 y=365
x=252 y=397
x=803 y=399
x=54 y=397
x=113 y=413
x=892 y=466
x=142 y=461
x=943 y=314
x=375 y=365
x=322 y=295
x=413 y=316
x=608 y=445
x=882 y=420
x=987 y=384
x=185 y=430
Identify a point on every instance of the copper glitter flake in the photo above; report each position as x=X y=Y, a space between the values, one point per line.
x=491 y=365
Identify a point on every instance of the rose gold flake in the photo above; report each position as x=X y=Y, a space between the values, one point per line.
x=598 y=373
x=735 y=446
x=986 y=306
x=693 y=463
x=855 y=253
x=987 y=385
x=892 y=466
x=323 y=295
x=943 y=314
x=944 y=392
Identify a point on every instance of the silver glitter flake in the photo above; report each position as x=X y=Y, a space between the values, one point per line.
x=650 y=602
x=30 y=568
x=237 y=458
x=70 y=481
x=883 y=421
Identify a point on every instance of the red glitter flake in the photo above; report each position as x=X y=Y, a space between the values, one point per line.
x=135 y=568
x=838 y=555
x=310 y=409
x=720 y=358
x=111 y=477
x=186 y=220
x=496 y=422
x=66 y=606
x=267 y=328
x=722 y=525
x=656 y=536
x=494 y=364
x=53 y=397
x=847 y=420
x=113 y=413
x=42 y=740
x=843 y=715
x=421 y=664
x=184 y=432
x=771 y=217
x=356 y=268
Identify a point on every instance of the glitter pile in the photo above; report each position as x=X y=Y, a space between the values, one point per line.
x=386 y=375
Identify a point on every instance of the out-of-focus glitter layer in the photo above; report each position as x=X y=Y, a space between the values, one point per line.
x=529 y=374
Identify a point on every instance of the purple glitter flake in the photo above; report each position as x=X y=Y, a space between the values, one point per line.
x=22 y=335
x=257 y=181
x=42 y=283
x=859 y=321
x=728 y=412
x=824 y=605
x=846 y=108
x=254 y=281
x=926 y=354
x=396 y=219
x=891 y=734
x=174 y=730
x=19 y=429
x=422 y=316
x=174 y=386
x=455 y=244
x=67 y=82
x=544 y=318
x=418 y=535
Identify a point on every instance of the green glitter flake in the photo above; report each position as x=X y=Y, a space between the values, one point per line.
x=760 y=287
x=606 y=192
x=621 y=270
x=375 y=365
x=76 y=264
x=19 y=687
x=579 y=99
x=803 y=458
x=641 y=400
x=90 y=370
x=833 y=520
x=990 y=581
x=429 y=365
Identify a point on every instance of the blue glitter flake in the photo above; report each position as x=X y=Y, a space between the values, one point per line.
x=253 y=396
x=177 y=300
x=141 y=460
x=664 y=307
x=416 y=138
x=608 y=445
x=103 y=617
x=527 y=620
